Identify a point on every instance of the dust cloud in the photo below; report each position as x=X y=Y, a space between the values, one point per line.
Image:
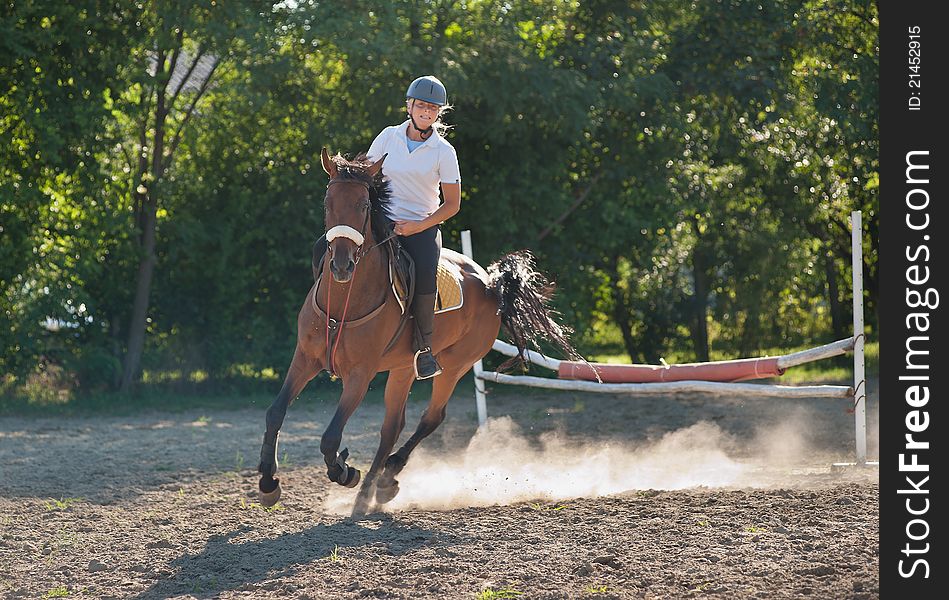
x=501 y=465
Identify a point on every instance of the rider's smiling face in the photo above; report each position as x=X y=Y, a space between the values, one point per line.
x=423 y=112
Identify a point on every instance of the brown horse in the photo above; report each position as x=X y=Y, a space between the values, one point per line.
x=354 y=290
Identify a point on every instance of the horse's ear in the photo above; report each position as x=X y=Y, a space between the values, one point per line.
x=328 y=165
x=376 y=166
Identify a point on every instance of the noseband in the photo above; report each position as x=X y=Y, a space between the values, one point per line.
x=345 y=231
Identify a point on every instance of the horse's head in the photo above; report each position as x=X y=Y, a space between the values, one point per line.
x=348 y=211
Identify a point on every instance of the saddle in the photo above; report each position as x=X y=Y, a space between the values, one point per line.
x=402 y=275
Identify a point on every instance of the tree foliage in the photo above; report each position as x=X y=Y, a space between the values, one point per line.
x=684 y=170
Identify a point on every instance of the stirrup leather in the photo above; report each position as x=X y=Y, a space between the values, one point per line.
x=438 y=368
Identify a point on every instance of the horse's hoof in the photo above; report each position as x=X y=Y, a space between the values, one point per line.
x=362 y=505
x=394 y=464
x=352 y=477
x=387 y=493
x=269 y=497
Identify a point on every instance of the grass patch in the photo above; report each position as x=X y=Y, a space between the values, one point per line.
x=61 y=504
x=239 y=461
x=544 y=507
x=489 y=594
x=57 y=592
x=755 y=529
x=245 y=505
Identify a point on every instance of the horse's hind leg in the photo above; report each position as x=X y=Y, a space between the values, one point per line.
x=397 y=391
x=302 y=370
x=442 y=387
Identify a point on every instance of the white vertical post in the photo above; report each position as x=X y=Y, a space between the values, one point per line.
x=480 y=397
x=859 y=366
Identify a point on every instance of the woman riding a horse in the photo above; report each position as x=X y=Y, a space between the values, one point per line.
x=351 y=311
x=419 y=160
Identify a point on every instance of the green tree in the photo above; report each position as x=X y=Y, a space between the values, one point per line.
x=185 y=46
x=56 y=63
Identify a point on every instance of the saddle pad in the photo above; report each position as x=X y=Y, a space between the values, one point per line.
x=449 y=296
x=448 y=278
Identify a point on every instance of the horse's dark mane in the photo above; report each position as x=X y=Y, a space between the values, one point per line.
x=380 y=193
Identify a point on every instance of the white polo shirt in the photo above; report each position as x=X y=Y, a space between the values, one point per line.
x=414 y=177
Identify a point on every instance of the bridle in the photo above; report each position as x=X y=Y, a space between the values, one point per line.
x=345 y=231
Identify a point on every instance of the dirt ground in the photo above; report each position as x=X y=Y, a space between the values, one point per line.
x=564 y=495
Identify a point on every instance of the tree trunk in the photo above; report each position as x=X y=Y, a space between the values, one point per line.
x=115 y=325
x=833 y=296
x=138 y=322
x=699 y=329
x=146 y=265
x=621 y=311
x=750 y=332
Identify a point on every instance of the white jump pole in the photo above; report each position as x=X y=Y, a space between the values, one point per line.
x=480 y=397
x=859 y=363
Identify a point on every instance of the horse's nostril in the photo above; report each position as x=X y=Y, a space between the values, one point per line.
x=351 y=267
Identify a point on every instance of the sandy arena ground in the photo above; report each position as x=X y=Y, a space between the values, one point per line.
x=565 y=495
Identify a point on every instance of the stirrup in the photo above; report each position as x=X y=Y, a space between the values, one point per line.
x=426 y=375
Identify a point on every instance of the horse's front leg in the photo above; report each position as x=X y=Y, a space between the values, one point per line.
x=397 y=392
x=303 y=368
x=355 y=384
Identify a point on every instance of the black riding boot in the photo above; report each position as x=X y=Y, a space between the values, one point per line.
x=423 y=309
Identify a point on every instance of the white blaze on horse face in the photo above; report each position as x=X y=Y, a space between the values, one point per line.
x=344 y=231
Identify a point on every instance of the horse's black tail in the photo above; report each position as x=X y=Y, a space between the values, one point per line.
x=523 y=294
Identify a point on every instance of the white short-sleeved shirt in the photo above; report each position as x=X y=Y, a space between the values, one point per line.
x=414 y=177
